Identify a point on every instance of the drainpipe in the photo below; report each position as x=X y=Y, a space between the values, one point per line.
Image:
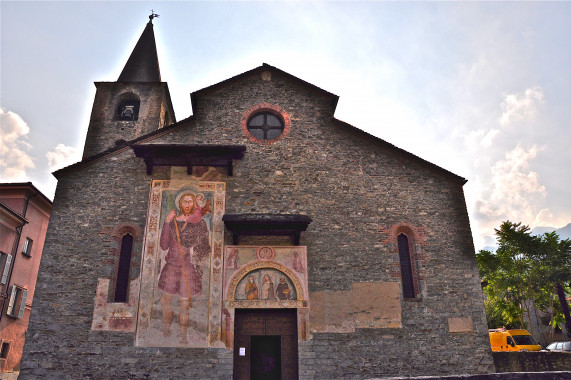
x=15 y=251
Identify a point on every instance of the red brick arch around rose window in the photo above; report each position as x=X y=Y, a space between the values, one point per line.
x=265 y=123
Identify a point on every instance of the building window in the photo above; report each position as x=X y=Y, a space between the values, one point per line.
x=4 y=349
x=27 y=250
x=128 y=108
x=17 y=303
x=265 y=126
x=123 y=270
x=265 y=123
x=405 y=267
x=5 y=261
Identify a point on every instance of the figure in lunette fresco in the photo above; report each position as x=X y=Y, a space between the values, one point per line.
x=283 y=289
x=185 y=237
x=251 y=289
x=268 y=289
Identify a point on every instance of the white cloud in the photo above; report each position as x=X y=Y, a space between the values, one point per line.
x=514 y=193
x=481 y=138
x=516 y=188
x=520 y=106
x=546 y=218
x=62 y=156
x=14 y=159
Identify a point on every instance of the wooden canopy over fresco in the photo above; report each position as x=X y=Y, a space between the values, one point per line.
x=266 y=224
x=189 y=155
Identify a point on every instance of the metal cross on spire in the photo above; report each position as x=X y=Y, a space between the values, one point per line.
x=152 y=16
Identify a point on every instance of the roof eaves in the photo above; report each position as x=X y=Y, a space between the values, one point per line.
x=414 y=157
x=120 y=145
x=30 y=185
x=14 y=214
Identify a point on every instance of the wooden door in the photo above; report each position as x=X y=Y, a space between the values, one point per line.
x=265 y=344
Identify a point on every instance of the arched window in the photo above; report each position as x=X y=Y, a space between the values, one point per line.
x=128 y=108
x=123 y=270
x=405 y=266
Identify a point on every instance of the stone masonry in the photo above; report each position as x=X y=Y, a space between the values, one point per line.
x=355 y=187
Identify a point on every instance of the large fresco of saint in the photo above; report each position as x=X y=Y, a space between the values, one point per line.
x=180 y=298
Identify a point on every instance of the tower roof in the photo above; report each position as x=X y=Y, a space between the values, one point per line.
x=143 y=64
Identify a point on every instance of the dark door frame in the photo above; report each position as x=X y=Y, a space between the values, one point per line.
x=281 y=322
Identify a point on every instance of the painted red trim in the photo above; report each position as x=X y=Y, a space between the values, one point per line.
x=265 y=107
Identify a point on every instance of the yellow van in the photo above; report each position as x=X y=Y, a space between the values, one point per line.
x=512 y=340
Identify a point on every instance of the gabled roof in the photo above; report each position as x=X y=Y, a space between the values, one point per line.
x=194 y=96
x=120 y=145
x=143 y=64
x=334 y=99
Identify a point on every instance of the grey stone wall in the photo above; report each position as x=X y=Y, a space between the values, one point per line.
x=354 y=187
x=104 y=130
x=532 y=361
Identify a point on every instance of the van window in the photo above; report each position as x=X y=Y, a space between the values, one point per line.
x=524 y=340
x=510 y=341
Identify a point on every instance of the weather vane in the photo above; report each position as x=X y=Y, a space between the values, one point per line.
x=152 y=16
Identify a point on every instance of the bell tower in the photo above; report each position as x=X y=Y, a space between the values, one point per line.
x=133 y=106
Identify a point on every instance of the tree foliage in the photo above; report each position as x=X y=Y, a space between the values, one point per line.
x=526 y=272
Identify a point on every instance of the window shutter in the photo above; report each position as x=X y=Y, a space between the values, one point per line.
x=6 y=269
x=12 y=300
x=23 y=303
x=28 y=247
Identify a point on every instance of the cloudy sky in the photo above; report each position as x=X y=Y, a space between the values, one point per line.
x=482 y=89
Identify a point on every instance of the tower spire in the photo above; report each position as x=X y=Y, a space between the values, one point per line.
x=143 y=64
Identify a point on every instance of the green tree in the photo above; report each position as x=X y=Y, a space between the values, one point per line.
x=555 y=255
x=526 y=271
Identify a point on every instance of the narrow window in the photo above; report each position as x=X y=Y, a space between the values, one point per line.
x=122 y=283
x=5 y=261
x=17 y=303
x=4 y=350
x=405 y=267
x=27 y=250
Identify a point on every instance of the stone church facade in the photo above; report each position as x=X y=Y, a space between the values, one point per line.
x=258 y=238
